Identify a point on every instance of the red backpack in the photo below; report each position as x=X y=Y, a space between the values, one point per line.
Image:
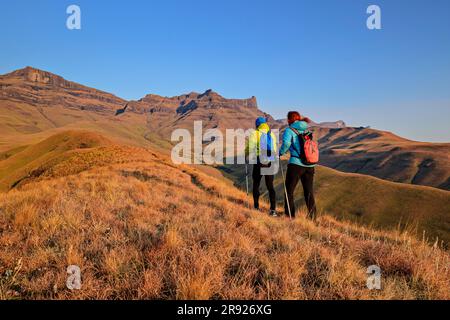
x=309 y=153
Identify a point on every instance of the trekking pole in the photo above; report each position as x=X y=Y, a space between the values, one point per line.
x=246 y=181
x=285 y=191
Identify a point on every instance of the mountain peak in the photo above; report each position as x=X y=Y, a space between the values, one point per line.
x=31 y=73
x=42 y=77
x=209 y=94
x=331 y=124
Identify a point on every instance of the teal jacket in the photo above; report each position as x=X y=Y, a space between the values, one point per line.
x=291 y=142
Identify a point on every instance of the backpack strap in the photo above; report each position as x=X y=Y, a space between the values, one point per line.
x=295 y=131
x=293 y=144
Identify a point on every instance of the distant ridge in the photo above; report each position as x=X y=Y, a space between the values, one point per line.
x=330 y=124
x=36 y=102
x=31 y=74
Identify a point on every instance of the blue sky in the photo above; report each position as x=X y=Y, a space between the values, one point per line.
x=316 y=56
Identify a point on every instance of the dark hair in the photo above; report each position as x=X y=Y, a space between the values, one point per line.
x=295 y=116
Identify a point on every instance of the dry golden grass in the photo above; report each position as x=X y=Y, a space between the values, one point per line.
x=152 y=230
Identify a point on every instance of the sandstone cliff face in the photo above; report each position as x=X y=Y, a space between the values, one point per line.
x=212 y=100
x=58 y=102
x=168 y=113
x=188 y=102
x=43 y=89
x=41 y=77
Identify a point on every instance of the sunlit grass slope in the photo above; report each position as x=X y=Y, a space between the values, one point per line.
x=372 y=201
x=145 y=228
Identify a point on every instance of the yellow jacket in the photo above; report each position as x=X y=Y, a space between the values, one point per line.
x=253 y=142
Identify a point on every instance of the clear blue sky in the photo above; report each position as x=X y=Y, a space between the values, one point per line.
x=311 y=55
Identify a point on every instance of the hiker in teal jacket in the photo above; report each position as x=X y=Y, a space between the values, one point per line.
x=296 y=169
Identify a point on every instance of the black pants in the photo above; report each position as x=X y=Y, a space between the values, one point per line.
x=306 y=175
x=269 y=184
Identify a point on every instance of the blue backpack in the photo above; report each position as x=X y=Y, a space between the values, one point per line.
x=266 y=148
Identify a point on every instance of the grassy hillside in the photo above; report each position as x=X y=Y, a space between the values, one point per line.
x=385 y=155
x=65 y=153
x=374 y=202
x=128 y=129
x=148 y=229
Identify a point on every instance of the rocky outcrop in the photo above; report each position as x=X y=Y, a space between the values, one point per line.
x=168 y=113
x=46 y=92
x=331 y=125
x=40 y=77
x=45 y=89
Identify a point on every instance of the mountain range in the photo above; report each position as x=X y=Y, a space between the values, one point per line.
x=36 y=103
x=385 y=155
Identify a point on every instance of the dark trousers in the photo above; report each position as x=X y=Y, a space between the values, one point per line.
x=306 y=175
x=269 y=184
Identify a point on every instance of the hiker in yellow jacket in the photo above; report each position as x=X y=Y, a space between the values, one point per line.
x=262 y=144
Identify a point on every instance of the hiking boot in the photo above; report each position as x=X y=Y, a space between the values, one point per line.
x=273 y=213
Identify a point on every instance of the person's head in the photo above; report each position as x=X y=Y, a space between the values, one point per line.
x=295 y=116
x=260 y=121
